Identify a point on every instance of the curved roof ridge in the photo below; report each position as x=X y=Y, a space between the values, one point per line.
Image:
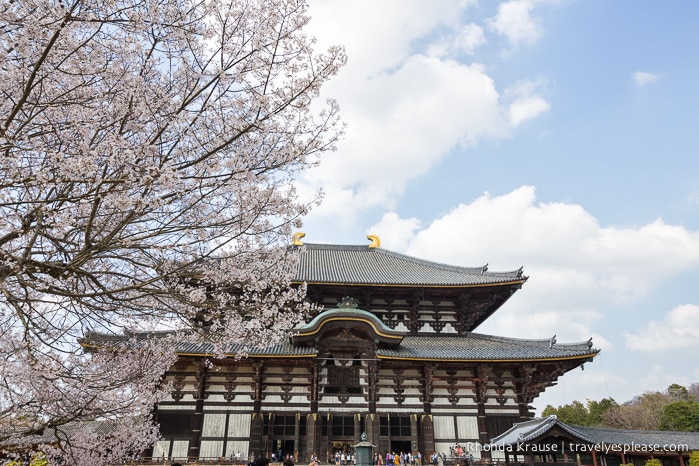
x=632 y=431
x=399 y=255
x=363 y=265
x=535 y=428
x=327 y=313
x=542 y=342
x=481 y=348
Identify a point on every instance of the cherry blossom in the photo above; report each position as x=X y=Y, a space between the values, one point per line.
x=148 y=156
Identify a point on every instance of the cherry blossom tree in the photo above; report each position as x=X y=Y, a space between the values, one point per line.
x=148 y=153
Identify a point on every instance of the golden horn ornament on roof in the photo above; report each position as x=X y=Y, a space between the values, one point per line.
x=296 y=238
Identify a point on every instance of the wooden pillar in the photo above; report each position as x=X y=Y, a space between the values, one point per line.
x=681 y=460
x=480 y=388
x=372 y=369
x=312 y=435
x=198 y=417
x=373 y=427
x=594 y=457
x=413 y=434
x=297 y=436
x=256 y=429
x=315 y=375
x=257 y=421
x=427 y=431
x=427 y=396
x=483 y=430
x=329 y=444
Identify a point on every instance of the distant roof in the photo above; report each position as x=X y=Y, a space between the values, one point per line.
x=365 y=265
x=536 y=429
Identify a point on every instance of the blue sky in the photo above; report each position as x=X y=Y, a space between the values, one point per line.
x=562 y=136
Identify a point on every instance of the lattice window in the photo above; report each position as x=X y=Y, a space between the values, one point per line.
x=343 y=426
x=343 y=379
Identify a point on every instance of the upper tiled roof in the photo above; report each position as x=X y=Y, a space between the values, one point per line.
x=479 y=347
x=536 y=429
x=360 y=265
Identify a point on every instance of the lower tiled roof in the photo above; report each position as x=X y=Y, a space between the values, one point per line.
x=470 y=347
x=475 y=346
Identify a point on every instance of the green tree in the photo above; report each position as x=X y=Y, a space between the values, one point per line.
x=597 y=409
x=681 y=415
x=678 y=392
x=694 y=458
x=581 y=415
x=642 y=413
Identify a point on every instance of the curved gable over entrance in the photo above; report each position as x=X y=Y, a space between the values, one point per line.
x=346 y=325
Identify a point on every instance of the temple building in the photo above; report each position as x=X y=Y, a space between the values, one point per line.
x=393 y=353
x=540 y=442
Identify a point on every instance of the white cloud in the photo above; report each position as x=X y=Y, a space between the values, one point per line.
x=378 y=36
x=526 y=108
x=515 y=21
x=579 y=270
x=679 y=329
x=469 y=38
x=400 y=124
x=526 y=100
x=398 y=231
x=643 y=78
x=466 y=40
x=561 y=241
x=589 y=383
x=544 y=323
x=405 y=110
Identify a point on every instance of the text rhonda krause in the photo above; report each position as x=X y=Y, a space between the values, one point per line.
x=580 y=448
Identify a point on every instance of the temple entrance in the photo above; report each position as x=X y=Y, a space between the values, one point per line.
x=400 y=446
x=282 y=448
x=342 y=445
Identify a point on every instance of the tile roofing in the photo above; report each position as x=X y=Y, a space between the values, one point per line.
x=640 y=437
x=535 y=429
x=326 y=263
x=471 y=347
x=478 y=347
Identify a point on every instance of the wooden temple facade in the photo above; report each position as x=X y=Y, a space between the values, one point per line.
x=392 y=354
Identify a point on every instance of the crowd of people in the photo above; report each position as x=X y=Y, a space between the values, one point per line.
x=342 y=458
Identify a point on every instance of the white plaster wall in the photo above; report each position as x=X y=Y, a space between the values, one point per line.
x=180 y=449
x=467 y=427
x=211 y=449
x=161 y=449
x=239 y=426
x=214 y=425
x=237 y=446
x=443 y=427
